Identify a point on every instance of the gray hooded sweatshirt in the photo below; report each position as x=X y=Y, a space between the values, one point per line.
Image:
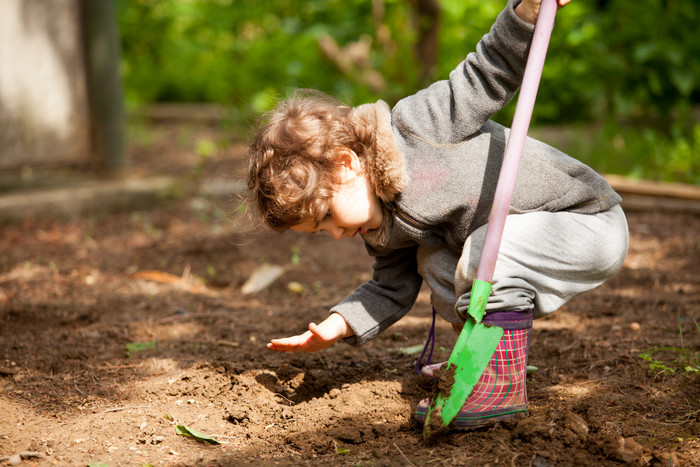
x=435 y=166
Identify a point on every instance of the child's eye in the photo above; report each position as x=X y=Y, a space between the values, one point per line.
x=325 y=218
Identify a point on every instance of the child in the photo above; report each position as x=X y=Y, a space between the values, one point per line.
x=417 y=183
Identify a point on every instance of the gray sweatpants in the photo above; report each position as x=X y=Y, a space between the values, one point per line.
x=545 y=259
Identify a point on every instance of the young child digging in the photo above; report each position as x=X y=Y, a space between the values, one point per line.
x=416 y=183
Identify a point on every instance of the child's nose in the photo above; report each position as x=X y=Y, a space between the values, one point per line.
x=337 y=232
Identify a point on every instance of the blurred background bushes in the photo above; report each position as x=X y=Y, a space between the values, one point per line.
x=622 y=77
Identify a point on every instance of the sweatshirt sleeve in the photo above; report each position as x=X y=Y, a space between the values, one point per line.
x=450 y=111
x=383 y=300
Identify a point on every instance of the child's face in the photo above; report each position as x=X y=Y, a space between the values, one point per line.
x=354 y=207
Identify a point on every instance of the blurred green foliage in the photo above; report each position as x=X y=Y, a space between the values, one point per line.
x=634 y=68
x=245 y=53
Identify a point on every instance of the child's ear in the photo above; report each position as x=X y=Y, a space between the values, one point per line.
x=348 y=162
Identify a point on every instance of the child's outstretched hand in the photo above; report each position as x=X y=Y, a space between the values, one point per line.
x=318 y=337
x=528 y=10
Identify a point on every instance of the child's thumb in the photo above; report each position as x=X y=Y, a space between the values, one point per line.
x=316 y=330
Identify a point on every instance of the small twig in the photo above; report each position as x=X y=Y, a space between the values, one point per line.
x=402 y=455
x=129 y=407
x=290 y=401
x=78 y=389
x=293 y=451
x=687 y=418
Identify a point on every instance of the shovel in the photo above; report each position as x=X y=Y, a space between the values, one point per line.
x=477 y=342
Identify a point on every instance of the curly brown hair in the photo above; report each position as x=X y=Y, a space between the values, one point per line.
x=292 y=170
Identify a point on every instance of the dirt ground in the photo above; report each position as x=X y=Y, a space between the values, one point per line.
x=116 y=328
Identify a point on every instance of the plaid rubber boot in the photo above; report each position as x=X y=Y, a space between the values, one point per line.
x=500 y=392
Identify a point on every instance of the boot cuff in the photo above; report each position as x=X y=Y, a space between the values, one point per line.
x=509 y=320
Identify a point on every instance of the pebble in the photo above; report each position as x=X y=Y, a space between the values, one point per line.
x=295 y=287
x=14 y=459
x=335 y=392
x=635 y=326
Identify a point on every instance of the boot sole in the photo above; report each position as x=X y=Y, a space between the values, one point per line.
x=463 y=423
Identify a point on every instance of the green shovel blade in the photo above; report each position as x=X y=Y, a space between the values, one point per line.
x=471 y=354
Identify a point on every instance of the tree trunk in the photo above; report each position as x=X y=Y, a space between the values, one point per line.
x=427 y=23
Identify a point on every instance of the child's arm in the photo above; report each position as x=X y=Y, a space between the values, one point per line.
x=318 y=337
x=373 y=307
x=452 y=110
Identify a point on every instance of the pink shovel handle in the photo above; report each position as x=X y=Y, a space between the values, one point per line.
x=516 y=140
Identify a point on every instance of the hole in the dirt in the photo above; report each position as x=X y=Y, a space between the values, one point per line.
x=297 y=385
x=270 y=382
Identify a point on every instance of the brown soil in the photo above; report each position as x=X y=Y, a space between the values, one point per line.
x=74 y=295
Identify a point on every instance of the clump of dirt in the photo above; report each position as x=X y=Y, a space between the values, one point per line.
x=71 y=302
x=444 y=378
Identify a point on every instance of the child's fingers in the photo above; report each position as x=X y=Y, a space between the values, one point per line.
x=283 y=347
x=277 y=346
x=290 y=344
x=312 y=340
x=273 y=346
